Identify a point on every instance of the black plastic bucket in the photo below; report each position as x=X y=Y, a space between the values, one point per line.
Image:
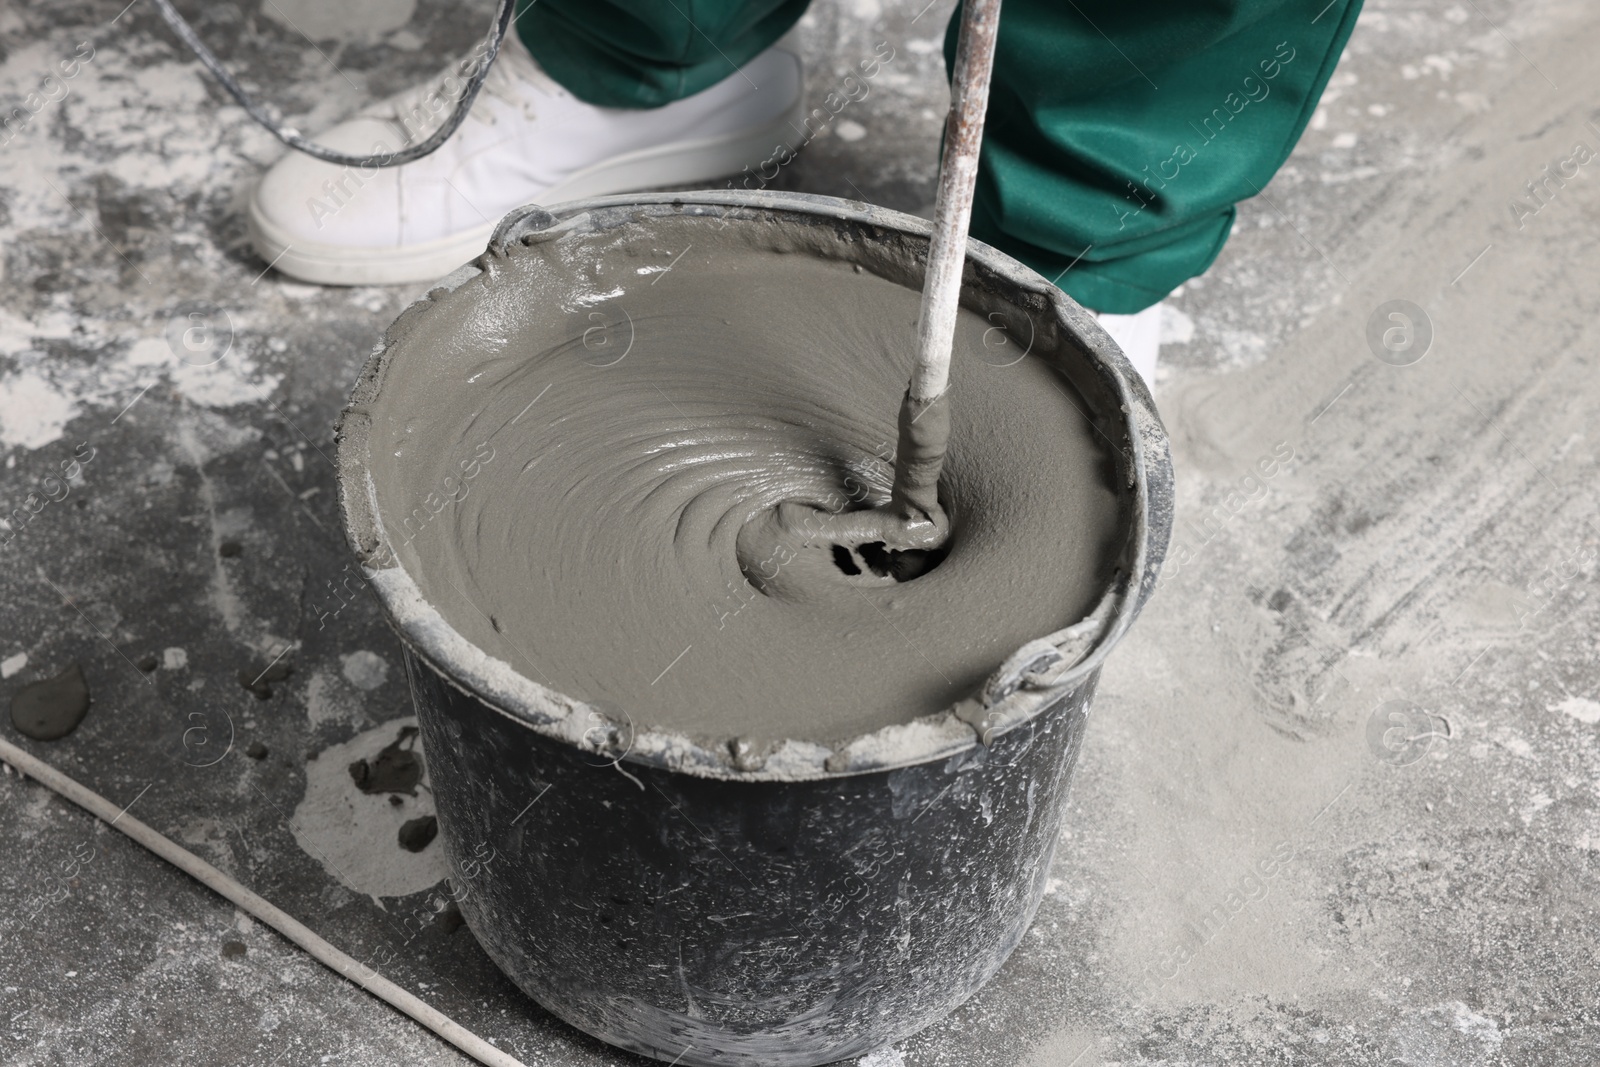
x=684 y=900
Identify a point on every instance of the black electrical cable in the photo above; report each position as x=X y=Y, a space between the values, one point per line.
x=292 y=138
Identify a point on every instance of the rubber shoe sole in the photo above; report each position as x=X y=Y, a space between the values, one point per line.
x=681 y=163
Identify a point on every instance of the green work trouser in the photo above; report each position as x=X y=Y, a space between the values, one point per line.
x=1119 y=135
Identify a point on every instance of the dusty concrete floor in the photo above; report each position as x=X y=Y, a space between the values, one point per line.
x=1430 y=552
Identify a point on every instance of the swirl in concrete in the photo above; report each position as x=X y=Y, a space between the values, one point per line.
x=565 y=457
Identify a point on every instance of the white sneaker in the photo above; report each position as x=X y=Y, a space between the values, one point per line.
x=1139 y=337
x=526 y=140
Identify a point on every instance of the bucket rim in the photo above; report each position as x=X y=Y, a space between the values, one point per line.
x=1037 y=676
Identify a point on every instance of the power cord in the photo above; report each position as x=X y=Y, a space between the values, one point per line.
x=291 y=137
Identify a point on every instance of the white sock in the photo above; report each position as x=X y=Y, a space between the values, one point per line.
x=1139 y=337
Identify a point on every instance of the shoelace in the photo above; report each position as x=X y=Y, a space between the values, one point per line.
x=508 y=81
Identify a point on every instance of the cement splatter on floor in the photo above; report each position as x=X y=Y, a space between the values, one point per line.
x=349 y=825
x=51 y=708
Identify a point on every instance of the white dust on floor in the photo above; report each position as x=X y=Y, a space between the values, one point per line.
x=364 y=669
x=1581 y=708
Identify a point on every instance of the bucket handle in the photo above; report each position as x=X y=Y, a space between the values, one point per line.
x=1033 y=666
x=517 y=227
